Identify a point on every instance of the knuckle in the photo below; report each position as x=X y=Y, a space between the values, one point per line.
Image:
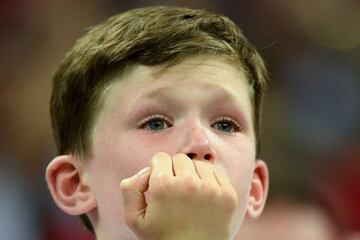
x=188 y=185
x=166 y=181
x=159 y=158
x=211 y=192
x=160 y=185
x=190 y=182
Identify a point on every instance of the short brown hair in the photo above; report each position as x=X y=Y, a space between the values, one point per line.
x=152 y=36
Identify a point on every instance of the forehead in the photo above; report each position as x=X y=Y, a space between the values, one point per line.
x=216 y=75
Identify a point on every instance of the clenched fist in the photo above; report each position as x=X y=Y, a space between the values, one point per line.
x=187 y=199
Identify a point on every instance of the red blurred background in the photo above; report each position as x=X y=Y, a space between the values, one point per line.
x=311 y=119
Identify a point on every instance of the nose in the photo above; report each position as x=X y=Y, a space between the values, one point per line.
x=196 y=144
x=206 y=156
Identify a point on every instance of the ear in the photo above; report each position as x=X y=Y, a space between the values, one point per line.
x=259 y=190
x=68 y=186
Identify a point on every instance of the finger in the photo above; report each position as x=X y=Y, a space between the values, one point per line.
x=205 y=171
x=222 y=176
x=133 y=190
x=161 y=164
x=183 y=165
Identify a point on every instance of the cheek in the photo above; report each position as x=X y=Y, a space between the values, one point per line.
x=130 y=151
x=144 y=145
x=238 y=159
x=240 y=173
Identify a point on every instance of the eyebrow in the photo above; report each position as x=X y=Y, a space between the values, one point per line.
x=219 y=93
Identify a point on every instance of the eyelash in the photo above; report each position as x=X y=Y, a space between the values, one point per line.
x=144 y=122
x=236 y=125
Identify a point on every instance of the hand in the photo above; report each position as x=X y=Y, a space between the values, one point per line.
x=188 y=199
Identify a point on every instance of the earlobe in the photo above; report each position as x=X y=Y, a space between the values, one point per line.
x=259 y=190
x=66 y=183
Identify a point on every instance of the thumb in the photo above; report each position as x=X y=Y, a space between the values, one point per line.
x=133 y=189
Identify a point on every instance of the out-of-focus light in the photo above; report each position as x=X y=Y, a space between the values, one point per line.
x=332 y=23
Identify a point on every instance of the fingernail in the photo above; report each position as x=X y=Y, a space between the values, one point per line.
x=143 y=171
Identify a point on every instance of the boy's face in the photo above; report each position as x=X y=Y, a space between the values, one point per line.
x=200 y=107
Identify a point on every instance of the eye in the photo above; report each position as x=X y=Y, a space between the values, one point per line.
x=227 y=125
x=155 y=123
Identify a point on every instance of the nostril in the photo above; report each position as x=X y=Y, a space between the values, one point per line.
x=191 y=155
x=207 y=156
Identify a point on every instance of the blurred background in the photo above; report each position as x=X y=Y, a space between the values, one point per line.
x=311 y=116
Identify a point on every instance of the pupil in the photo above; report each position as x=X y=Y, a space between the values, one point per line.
x=156 y=124
x=225 y=126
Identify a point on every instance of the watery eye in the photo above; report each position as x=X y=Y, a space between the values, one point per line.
x=155 y=124
x=225 y=125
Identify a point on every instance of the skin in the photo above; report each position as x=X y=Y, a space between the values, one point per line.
x=186 y=123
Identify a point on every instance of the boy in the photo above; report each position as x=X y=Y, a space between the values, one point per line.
x=172 y=91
